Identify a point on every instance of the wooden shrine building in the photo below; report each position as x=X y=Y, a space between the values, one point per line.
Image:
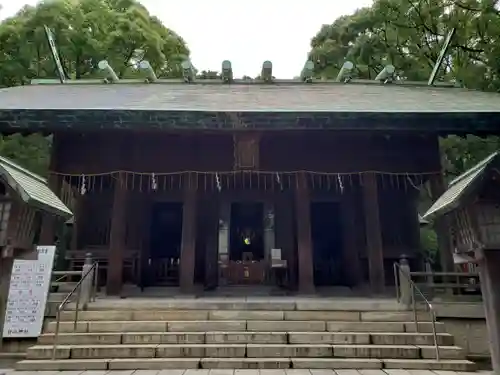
x=220 y=183
x=472 y=203
x=24 y=199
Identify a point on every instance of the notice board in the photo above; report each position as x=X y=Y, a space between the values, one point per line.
x=28 y=292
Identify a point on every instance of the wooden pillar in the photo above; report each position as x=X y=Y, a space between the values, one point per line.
x=284 y=234
x=77 y=220
x=49 y=221
x=212 y=237
x=350 y=252
x=188 y=245
x=373 y=229
x=304 y=240
x=442 y=225
x=489 y=264
x=117 y=237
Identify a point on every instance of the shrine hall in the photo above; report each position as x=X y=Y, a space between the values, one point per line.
x=296 y=184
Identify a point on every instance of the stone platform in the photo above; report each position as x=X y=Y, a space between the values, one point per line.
x=245 y=333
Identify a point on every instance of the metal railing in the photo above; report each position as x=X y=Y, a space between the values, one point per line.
x=64 y=275
x=449 y=280
x=93 y=271
x=398 y=271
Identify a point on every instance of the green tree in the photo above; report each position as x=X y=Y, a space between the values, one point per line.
x=409 y=35
x=86 y=31
x=31 y=152
x=208 y=74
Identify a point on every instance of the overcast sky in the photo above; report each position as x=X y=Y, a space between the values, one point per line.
x=242 y=31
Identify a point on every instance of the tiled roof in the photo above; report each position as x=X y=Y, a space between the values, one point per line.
x=32 y=188
x=320 y=97
x=461 y=186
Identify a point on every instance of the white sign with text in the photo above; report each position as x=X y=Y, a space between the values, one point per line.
x=28 y=291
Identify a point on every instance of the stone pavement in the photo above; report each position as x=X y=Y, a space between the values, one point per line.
x=246 y=372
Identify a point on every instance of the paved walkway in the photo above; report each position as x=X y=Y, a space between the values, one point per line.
x=247 y=372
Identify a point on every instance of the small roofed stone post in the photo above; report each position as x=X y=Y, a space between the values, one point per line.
x=87 y=271
x=405 y=292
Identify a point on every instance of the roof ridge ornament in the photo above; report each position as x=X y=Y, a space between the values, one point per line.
x=386 y=75
x=267 y=71
x=146 y=66
x=188 y=71
x=307 y=72
x=111 y=76
x=440 y=58
x=227 y=71
x=55 y=54
x=345 y=72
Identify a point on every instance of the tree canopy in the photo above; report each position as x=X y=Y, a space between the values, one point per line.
x=406 y=33
x=409 y=34
x=86 y=31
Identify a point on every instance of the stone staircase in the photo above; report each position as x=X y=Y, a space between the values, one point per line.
x=189 y=334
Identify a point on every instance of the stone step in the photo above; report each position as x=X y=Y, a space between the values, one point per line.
x=242 y=304
x=411 y=338
x=64 y=286
x=365 y=363
x=241 y=351
x=105 y=364
x=377 y=338
x=240 y=325
x=242 y=363
x=57 y=296
x=230 y=315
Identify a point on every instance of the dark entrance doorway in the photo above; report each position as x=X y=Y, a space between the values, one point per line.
x=326 y=231
x=246 y=245
x=165 y=244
